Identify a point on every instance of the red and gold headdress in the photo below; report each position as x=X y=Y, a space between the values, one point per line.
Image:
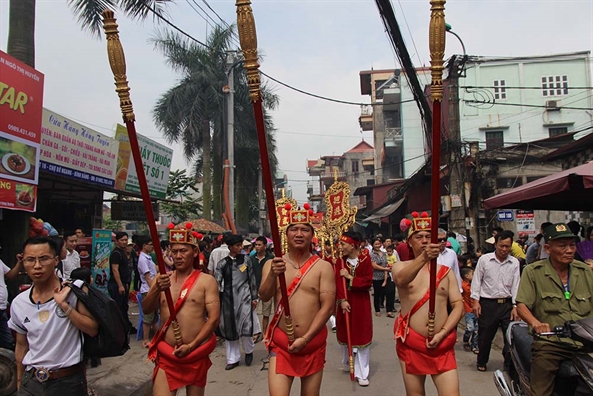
x=419 y=222
x=347 y=239
x=185 y=235
x=298 y=215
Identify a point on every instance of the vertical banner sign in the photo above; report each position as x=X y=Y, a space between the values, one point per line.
x=100 y=259
x=156 y=159
x=21 y=101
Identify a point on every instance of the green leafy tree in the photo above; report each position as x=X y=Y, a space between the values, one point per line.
x=109 y=224
x=181 y=187
x=193 y=114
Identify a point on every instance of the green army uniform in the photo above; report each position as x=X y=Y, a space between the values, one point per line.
x=542 y=292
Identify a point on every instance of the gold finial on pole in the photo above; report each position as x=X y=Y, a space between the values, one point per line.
x=436 y=34
x=248 y=40
x=117 y=61
x=335 y=175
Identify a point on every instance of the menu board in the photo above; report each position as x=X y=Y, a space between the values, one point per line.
x=21 y=101
x=84 y=247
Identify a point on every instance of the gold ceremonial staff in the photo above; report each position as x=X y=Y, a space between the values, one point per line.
x=436 y=34
x=117 y=61
x=248 y=39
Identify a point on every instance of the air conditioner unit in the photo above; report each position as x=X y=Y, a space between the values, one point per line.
x=552 y=105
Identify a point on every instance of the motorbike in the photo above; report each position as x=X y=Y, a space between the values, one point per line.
x=575 y=377
x=8 y=375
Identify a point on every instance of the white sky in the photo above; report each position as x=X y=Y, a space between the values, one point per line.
x=315 y=45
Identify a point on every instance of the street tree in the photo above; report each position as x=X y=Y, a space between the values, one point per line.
x=182 y=188
x=193 y=112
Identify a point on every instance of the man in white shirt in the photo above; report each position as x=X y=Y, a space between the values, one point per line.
x=6 y=340
x=147 y=271
x=72 y=260
x=217 y=255
x=48 y=320
x=494 y=289
x=448 y=257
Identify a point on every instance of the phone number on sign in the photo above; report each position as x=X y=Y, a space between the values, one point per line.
x=22 y=131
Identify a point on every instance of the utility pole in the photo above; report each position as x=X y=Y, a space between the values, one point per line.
x=231 y=130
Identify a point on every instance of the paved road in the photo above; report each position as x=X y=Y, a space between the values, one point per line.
x=131 y=373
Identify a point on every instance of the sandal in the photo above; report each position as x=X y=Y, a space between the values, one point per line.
x=475 y=350
x=466 y=347
x=390 y=315
x=377 y=314
x=482 y=368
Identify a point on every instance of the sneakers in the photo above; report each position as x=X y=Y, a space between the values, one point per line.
x=334 y=329
x=363 y=382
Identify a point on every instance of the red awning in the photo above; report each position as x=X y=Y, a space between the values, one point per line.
x=571 y=189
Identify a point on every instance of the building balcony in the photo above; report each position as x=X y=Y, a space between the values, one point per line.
x=366 y=118
x=393 y=138
x=316 y=197
x=392 y=98
x=330 y=175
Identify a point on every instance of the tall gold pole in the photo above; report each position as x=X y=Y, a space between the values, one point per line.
x=117 y=61
x=437 y=53
x=248 y=40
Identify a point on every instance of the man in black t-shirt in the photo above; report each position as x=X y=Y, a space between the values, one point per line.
x=121 y=276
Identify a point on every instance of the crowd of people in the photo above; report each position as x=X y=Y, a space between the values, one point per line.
x=216 y=286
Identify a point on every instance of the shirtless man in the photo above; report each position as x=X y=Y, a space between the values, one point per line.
x=418 y=355
x=186 y=364
x=311 y=304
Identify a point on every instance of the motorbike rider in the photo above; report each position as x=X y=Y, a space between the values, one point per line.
x=552 y=292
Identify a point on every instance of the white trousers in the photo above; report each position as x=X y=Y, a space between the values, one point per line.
x=332 y=320
x=256 y=323
x=361 y=361
x=233 y=351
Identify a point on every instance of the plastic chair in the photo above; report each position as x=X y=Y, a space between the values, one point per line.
x=140 y=332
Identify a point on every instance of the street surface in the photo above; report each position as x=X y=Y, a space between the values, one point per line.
x=131 y=373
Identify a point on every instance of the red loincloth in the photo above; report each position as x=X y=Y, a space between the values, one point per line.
x=306 y=362
x=189 y=370
x=420 y=360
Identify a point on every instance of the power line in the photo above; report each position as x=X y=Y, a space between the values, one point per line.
x=198 y=12
x=506 y=87
x=215 y=13
x=162 y=18
x=494 y=102
x=329 y=99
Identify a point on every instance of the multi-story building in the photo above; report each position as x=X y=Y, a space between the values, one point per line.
x=394 y=118
x=501 y=101
x=505 y=101
x=355 y=167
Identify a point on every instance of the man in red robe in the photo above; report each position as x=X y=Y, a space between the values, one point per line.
x=419 y=354
x=354 y=278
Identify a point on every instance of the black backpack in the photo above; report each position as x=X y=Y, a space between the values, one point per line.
x=113 y=338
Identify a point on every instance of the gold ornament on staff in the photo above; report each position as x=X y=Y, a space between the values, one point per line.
x=283 y=219
x=248 y=41
x=436 y=34
x=339 y=217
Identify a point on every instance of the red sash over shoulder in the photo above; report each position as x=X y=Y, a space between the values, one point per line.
x=185 y=290
x=304 y=270
x=400 y=328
